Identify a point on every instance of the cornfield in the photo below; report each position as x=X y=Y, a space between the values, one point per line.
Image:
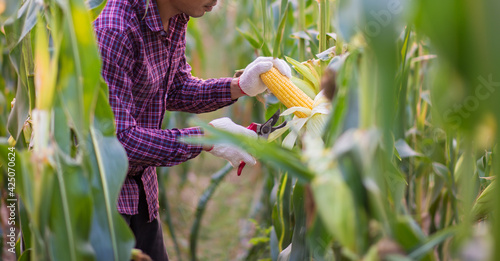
x=395 y=159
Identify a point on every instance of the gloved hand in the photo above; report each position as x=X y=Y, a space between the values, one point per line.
x=250 y=82
x=229 y=152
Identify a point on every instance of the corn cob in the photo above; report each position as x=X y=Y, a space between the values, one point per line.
x=286 y=92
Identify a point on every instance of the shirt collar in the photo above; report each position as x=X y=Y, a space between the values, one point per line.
x=153 y=19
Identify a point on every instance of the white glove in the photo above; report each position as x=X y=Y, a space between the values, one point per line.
x=229 y=152
x=250 y=82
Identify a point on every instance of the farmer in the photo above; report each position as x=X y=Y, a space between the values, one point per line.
x=144 y=65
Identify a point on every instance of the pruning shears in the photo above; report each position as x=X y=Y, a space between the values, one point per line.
x=263 y=130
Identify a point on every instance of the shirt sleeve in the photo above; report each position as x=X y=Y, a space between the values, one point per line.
x=145 y=147
x=191 y=94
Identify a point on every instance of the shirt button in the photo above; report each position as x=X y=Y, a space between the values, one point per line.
x=189 y=155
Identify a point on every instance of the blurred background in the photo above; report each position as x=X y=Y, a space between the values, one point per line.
x=396 y=160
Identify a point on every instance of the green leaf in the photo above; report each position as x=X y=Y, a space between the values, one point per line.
x=255 y=30
x=260 y=37
x=345 y=106
x=96 y=7
x=434 y=240
x=284 y=211
x=258 y=240
x=301 y=35
x=264 y=14
x=268 y=153
x=45 y=69
x=485 y=203
x=25 y=228
x=276 y=230
x=304 y=70
x=319 y=237
x=25 y=256
x=426 y=96
x=251 y=40
x=27 y=17
x=305 y=86
x=409 y=235
x=300 y=250
x=279 y=34
x=10 y=9
x=70 y=211
x=285 y=254
x=95 y=3
x=327 y=54
x=62 y=136
x=442 y=175
x=404 y=149
x=111 y=237
x=396 y=184
x=22 y=59
x=335 y=206
x=80 y=70
x=80 y=89
x=24 y=174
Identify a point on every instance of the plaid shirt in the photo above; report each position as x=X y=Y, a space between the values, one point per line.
x=146 y=72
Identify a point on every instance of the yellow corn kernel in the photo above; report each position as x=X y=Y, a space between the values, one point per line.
x=286 y=92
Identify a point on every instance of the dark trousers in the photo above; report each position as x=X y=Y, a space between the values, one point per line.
x=148 y=235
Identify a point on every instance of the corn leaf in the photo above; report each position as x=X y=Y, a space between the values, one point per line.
x=95 y=3
x=304 y=70
x=22 y=60
x=434 y=240
x=319 y=237
x=8 y=9
x=409 y=235
x=80 y=88
x=276 y=232
x=334 y=204
x=28 y=16
x=45 y=74
x=96 y=7
x=264 y=48
x=305 y=86
x=111 y=237
x=251 y=40
x=485 y=203
x=285 y=255
x=70 y=215
x=284 y=213
x=404 y=150
x=300 y=250
x=279 y=34
x=274 y=244
x=268 y=153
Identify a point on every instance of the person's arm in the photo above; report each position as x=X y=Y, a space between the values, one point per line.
x=144 y=147
x=191 y=94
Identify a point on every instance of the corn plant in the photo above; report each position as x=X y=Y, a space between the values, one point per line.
x=69 y=164
x=409 y=146
x=399 y=165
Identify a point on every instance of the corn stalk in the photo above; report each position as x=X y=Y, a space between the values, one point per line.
x=71 y=165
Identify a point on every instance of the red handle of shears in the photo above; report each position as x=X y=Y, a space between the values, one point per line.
x=253 y=127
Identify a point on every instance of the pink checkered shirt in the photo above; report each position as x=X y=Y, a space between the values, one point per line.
x=146 y=72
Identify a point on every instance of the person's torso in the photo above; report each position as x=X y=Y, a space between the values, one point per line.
x=157 y=54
